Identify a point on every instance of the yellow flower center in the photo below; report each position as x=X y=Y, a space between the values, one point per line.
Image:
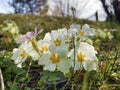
x=23 y=54
x=54 y=58
x=57 y=42
x=81 y=32
x=44 y=48
x=81 y=57
x=67 y=37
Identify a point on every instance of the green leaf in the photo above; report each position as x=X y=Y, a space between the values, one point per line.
x=41 y=82
x=50 y=76
x=20 y=71
x=26 y=88
x=53 y=78
x=15 y=87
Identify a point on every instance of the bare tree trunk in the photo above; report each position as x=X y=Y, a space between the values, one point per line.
x=110 y=16
x=96 y=15
x=116 y=6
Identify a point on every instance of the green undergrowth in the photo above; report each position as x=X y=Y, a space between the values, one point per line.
x=28 y=22
x=25 y=22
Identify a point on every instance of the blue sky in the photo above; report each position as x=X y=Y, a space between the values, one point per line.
x=5 y=7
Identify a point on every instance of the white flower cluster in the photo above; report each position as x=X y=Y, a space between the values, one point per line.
x=60 y=50
x=11 y=29
x=104 y=34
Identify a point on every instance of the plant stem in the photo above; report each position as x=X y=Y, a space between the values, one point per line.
x=74 y=53
x=90 y=85
x=72 y=72
x=55 y=85
x=2 y=80
x=85 y=81
x=28 y=67
x=11 y=88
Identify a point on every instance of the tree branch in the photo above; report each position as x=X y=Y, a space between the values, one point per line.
x=2 y=81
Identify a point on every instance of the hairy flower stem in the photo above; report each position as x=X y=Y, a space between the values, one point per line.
x=29 y=67
x=34 y=44
x=55 y=85
x=2 y=81
x=85 y=81
x=73 y=46
x=74 y=54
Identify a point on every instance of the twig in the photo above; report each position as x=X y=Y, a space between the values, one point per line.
x=2 y=81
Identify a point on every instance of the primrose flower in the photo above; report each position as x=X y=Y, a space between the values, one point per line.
x=56 y=59
x=11 y=28
x=20 y=54
x=28 y=36
x=101 y=34
x=109 y=35
x=43 y=46
x=85 y=31
x=23 y=38
x=85 y=56
x=55 y=38
x=64 y=34
x=33 y=54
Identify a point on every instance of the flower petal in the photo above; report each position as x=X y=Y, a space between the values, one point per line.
x=50 y=67
x=90 y=65
x=64 y=66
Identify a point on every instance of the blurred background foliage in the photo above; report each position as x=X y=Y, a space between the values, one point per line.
x=27 y=22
